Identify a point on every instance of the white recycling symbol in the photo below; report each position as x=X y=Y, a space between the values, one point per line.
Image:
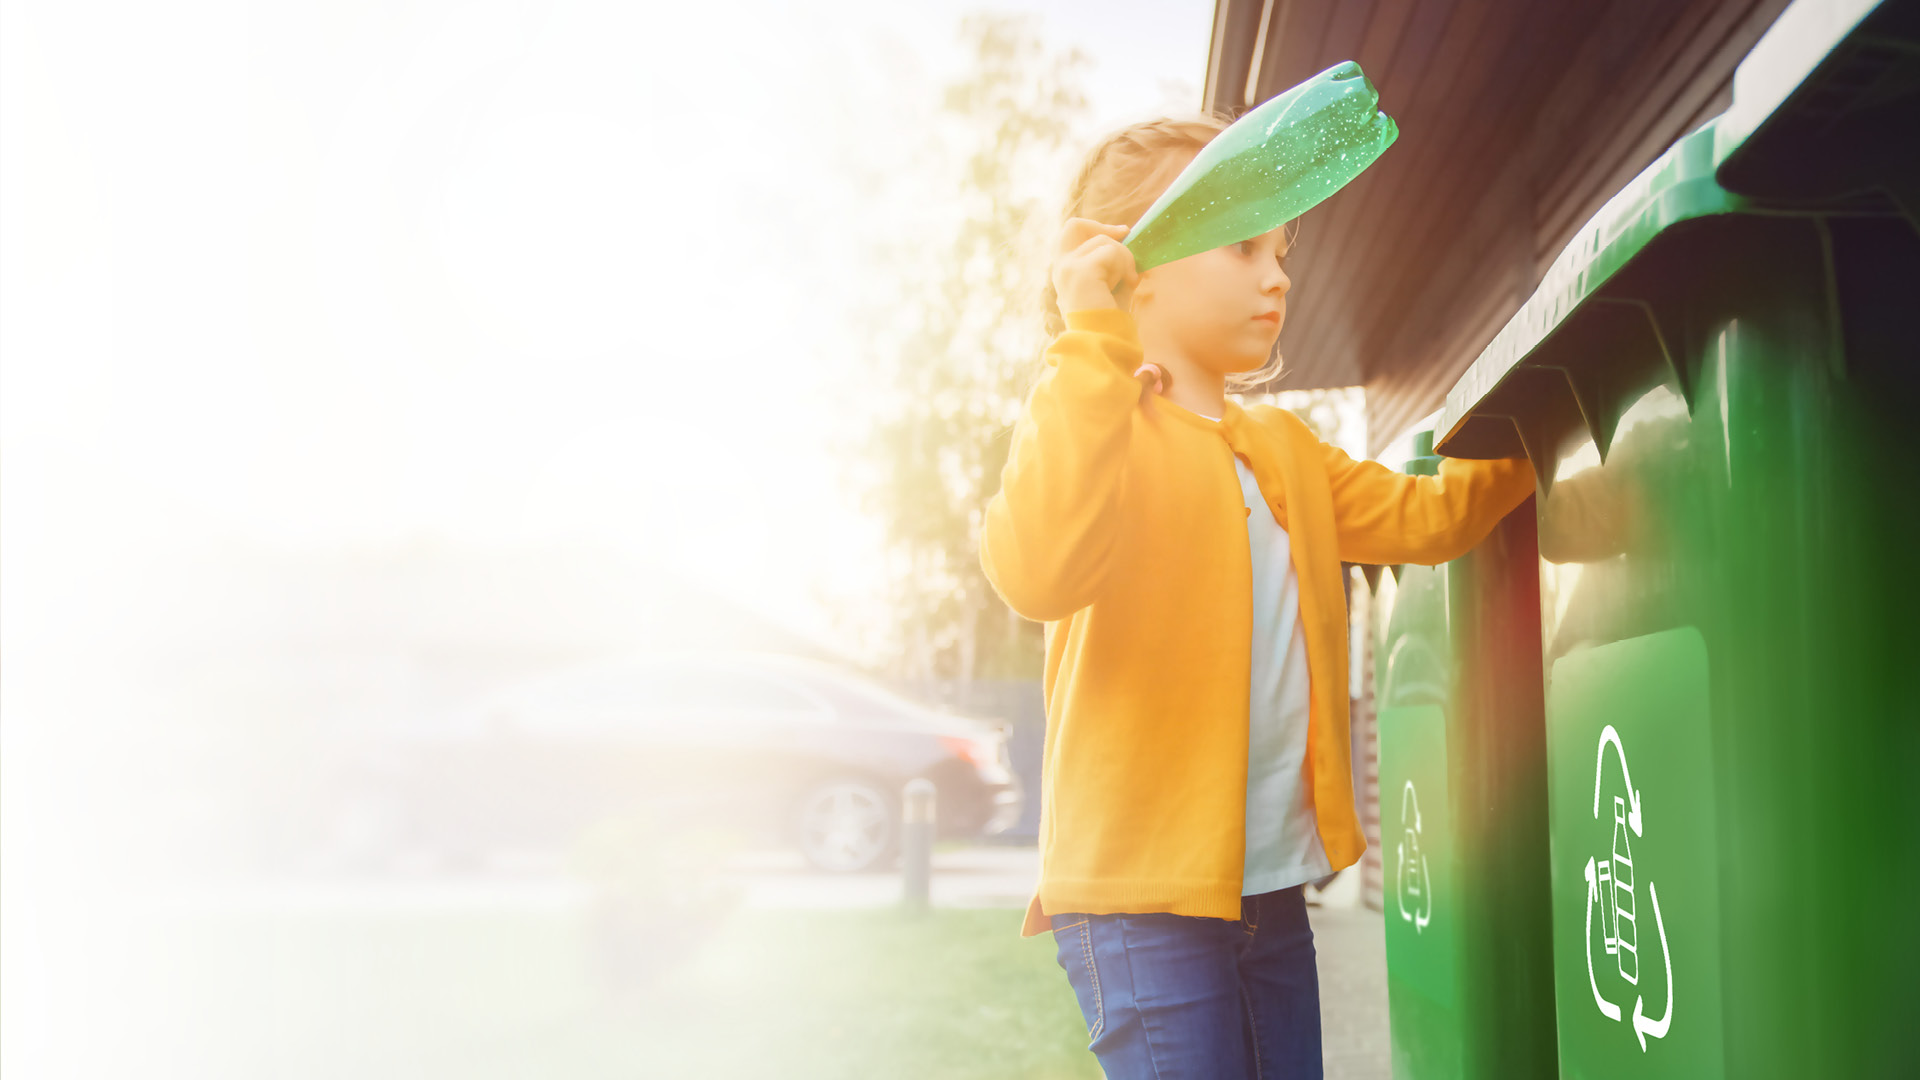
x=1610 y=883
x=1411 y=864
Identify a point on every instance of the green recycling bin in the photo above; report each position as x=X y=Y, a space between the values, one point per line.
x=1718 y=384
x=1463 y=836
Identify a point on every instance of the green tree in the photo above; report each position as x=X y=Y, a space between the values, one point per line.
x=956 y=352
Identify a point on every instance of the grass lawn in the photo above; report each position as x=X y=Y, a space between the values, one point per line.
x=490 y=993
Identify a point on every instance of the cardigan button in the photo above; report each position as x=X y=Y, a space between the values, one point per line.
x=1249 y=511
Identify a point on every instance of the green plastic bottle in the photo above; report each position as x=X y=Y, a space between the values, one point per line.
x=1268 y=167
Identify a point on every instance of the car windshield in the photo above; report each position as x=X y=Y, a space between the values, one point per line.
x=854 y=695
x=656 y=697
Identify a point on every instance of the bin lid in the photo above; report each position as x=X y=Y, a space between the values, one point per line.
x=1812 y=99
x=1789 y=136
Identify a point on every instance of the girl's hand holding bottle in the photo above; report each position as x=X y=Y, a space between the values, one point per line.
x=1092 y=268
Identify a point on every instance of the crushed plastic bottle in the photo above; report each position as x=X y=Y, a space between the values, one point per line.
x=1268 y=167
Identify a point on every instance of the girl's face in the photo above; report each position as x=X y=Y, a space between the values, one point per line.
x=1222 y=309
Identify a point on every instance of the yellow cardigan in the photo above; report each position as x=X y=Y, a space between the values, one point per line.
x=1123 y=529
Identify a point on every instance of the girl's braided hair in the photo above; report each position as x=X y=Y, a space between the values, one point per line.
x=1121 y=177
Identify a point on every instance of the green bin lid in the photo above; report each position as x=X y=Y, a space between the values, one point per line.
x=1823 y=107
x=1820 y=82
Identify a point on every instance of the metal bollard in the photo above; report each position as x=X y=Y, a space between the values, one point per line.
x=916 y=840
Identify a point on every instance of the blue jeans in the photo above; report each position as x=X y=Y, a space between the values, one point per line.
x=1183 y=997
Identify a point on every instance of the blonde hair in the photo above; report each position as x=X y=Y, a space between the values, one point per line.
x=1122 y=176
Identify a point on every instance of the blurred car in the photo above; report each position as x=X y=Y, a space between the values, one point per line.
x=783 y=749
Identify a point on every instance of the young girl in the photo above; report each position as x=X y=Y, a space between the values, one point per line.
x=1195 y=772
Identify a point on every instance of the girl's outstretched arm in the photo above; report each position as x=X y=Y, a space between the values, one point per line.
x=1048 y=537
x=1387 y=517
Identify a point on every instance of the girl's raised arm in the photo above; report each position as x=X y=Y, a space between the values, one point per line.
x=1387 y=517
x=1048 y=537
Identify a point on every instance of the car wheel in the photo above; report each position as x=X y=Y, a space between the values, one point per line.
x=846 y=826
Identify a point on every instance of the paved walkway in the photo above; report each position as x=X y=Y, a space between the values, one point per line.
x=1352 y=948
x=966 y=877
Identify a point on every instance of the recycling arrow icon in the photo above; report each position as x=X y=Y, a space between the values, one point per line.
x=1612 y=889
x=1410 y=864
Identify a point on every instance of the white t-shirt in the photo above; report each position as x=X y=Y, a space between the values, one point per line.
x=1283 y=836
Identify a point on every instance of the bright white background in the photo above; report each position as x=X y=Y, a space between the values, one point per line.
x=348 y=274
x=286 y=286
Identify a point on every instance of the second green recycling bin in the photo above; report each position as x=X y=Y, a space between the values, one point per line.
x=1463 y=811
x=1718 y=384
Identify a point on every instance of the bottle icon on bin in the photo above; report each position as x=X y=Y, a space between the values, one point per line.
x=1616 y=891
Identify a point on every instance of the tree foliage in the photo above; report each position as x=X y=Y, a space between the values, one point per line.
x=956 y=349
